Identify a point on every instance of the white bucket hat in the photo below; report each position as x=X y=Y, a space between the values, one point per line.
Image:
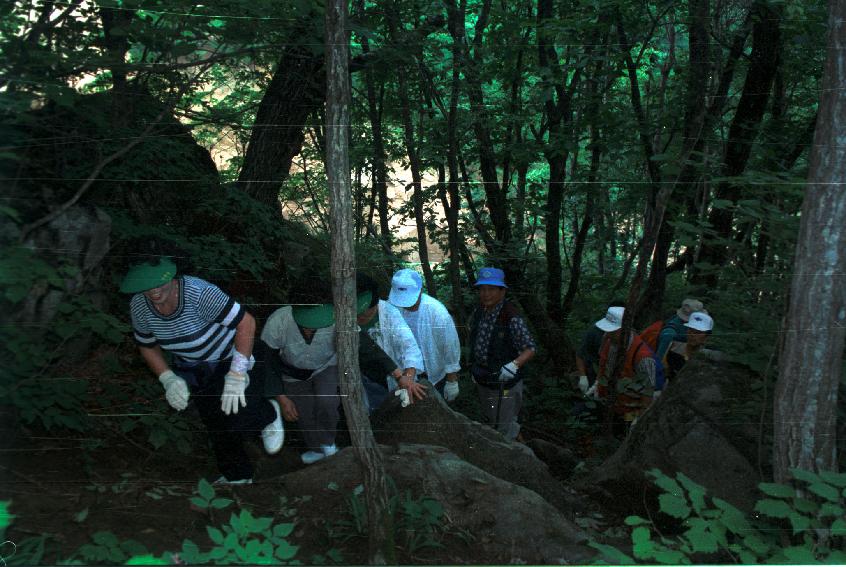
x=613 y=319
x=700 y=321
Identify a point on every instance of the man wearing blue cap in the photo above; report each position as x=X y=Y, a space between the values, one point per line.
x=500 y=346
x=433 y=329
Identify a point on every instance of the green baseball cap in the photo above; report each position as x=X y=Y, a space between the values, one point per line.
x=142 y=277
x=323 y=314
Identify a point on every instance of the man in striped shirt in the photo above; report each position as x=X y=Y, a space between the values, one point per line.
x=210 y=338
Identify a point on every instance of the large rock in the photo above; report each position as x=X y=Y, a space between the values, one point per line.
x=509 y=524
x=432 y=422
x=697 y=427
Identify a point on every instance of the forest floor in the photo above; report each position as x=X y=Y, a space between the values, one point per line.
x=70 y=494
x=65 y=487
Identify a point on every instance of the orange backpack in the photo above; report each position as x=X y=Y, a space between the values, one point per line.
x=650 y=334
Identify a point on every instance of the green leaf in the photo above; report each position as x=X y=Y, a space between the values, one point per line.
x=773 y=508
x=829 y=509
x=674 y=506
x=671 y=557
x=700 y=536
x=666 y=483
x=695 y=492
x=825 y=490
x=80 y=516
x=837 y=479
x=802 y=474
x=199 y=502
x=800 y=554
x=640 y=534
x=732 y=518
x=777 y=490
x=286 y=551
x=838 y=527
x=105 y=538
x=635 y=521
x=148 y=559
x=5 y=517
x=283 y=530
x=205 y=489
x=220 y=503
x=805 y=506
x=217 y=23
x=756 y=545
x=215 y=534
x=613 y=555
x=799 y=522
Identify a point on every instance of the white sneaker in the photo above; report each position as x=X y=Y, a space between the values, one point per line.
x=273 y=436
x=224 y=480
x=310 y=457
x=329 y=450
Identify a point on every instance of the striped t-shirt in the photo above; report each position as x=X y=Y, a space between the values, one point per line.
x=201 y=329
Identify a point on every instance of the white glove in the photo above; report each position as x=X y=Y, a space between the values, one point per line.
x=176 y=390
x=583 y=384
x=403 y=394
x=450 y=390
x=234 y=385
x=591 y=392
x=508 y=372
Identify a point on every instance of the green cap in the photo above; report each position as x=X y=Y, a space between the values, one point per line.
x=314 y=316
x=142 y=277
x=323 y=314
x=363 y=301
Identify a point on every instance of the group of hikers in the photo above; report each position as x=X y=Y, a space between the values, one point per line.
x=245 y=387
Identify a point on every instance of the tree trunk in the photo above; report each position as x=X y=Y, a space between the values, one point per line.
x=380 y=172
x=379 y=522
x=805 y=406
x=766 y=37
x=416 y=174
x=295 y=91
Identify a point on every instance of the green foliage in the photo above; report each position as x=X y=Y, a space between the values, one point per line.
x=417 y=522
x=206 y=498
x=244 y=540
x=797 y=523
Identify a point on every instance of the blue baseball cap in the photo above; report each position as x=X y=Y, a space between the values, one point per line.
x=491 y=276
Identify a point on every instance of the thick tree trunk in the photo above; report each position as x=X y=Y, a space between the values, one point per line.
x=379 y=521
x=805 y=406
x=294 y=93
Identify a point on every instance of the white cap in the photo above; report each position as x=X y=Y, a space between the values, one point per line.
x=613 y=319
x=700 y=321
x=405 y=288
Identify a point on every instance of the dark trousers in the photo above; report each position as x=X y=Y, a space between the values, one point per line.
x=318 y=403
x=227 y=432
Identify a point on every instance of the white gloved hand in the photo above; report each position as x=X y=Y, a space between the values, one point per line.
x=403 y=394
x=592 y=393
x=508 y=372
x=450 y=390
x=234 y=385
x=176 y=390
x=583 y=384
